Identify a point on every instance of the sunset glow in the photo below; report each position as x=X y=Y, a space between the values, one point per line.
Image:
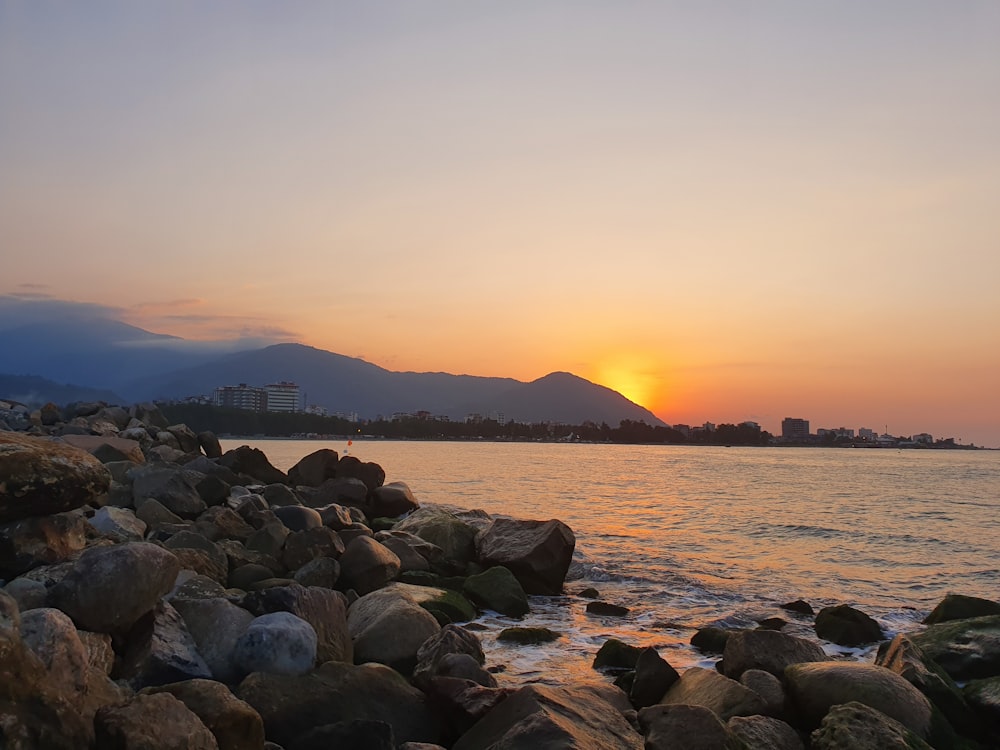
x=724 y=211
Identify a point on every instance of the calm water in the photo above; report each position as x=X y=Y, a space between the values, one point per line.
x=693 y=536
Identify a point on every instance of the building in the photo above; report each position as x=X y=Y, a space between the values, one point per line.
x=240 y=396
x=283 y=396
x=923 y=438
x=793 y=428
x=865 y=433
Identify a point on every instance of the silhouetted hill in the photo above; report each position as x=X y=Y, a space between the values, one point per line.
x=32 y=390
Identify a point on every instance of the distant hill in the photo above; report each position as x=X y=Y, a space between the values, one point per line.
x=32 y=390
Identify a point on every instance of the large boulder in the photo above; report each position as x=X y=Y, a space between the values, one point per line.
x=370 y=473
x=769 y=650
x=856 y=726
x=720 y=694
x=324 y=609
x=814 y=688
x=389 y=627
x=538 y=553
x=965 y=649
x=253 y=463
x=235 y=724
x=314 y=469
x=451 y=639
x=152 y=722
x=293 y=705
x=176 y=489
x=392 y=500
x=216 y=625
x=496 y=588
x=40 y=477
x=764 y=733
x=666 y=727
x=52 y=637
x=134 y=576
x=161 y=650
x=107 y=448
x=455 y=537
x=847 y=626
x=278 y=643
x=653 y=677
x=538 y=716
x=119 y=524
x=305 y=546
x=961 y=607
x=40 y=540
x=367 y=565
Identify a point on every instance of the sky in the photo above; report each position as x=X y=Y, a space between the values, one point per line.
x=727 y=211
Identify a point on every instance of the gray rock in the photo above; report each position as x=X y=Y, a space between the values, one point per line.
x=769 y=650
x=768 y=687
x=216 y=625
x=453 y=535
x=320 y=571
x=314 y=469
x=538 y=553
x=52 y=637
x=653 y=677
x=722 y=695
x=40 y=540
x=324 y=609
x=389 y=628
x=497 y=589
x=27 y=593
x=173 y=487
x=234 y=723
x=152 y=721
x=161 y=650
x=367 y=565
x=856 y=726
x=847 y=626
x=278 y=643
x=392 y=500
x=765 y=733
x=302 y=547
x=666 y=727
x=965 y=649
x=298 y=517
x=450 y=640
x=120 y=524
x=134 y=576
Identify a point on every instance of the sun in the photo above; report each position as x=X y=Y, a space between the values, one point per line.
x=636 y=383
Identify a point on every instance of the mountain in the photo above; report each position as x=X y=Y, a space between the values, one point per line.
x=32 y=390
x=346 y=384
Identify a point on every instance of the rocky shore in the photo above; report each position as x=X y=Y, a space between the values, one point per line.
x=161 y=593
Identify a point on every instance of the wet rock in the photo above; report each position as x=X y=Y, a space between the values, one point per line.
x=278 y=643
x=816 y=687
x=158 y=721
x=616 y=654
x=389 y=627
x=965 y=649
x=653 y=677
x=528 y=636
x=769 y=650
x=960 y=607
x=314 y=469
x=984 y=697
x=367 y=565
x=496 y=588
x=234 y=723
x=335 y=691
x=606 y=609
x=451 y=639
x=134 y=575
x=847 y=626
x=538 y=553
x=723 y=696
x=40 y=477
x=689 y=727
x=856 y=726
x=711 y=640
x=541 y=716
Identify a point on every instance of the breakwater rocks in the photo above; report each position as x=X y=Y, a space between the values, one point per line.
x=159 y=593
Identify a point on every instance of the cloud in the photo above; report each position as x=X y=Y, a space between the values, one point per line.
x=19 y=309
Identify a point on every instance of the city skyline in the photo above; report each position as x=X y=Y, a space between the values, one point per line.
x=712 y=208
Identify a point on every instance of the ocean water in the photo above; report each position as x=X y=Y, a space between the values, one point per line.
x=692 y=536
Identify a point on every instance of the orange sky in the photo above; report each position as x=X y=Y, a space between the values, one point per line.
x=725 y=212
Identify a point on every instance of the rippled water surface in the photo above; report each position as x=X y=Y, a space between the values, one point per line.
x=686 y=536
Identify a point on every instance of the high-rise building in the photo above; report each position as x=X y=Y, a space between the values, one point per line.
x=240 y=396
x=283 y=396
x=793 y=428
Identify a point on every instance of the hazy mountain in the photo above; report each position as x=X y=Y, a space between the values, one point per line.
x=346 y=384
x=32 y=390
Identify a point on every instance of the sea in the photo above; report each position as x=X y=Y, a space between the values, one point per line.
x=693 y=536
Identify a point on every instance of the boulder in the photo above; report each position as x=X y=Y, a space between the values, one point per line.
x=538 y=553
x=40 y=540
x=209 y=444
x=41 y=477
x=370 y=473
x=496 y=588
x=302 y=547
x=690 y=727
x=253 y=463
x=186 y=438
x=28 y=594
x=314 y=469
x=768 y=687
x=156 y=515
x=461 y=703
x=653 y=677
x=538 y=716
x=320 y=571
x=134 y=575
x=161 y=650
x=324 y=609
x=847 y=626
x=234 y=723
x=908 y=660
x=389 y=627
x=97 y=648
x=223 y=523
x=764 y=733
x=149 y=722
x=335 y=691
x=984 y=697
x=451 y=639
x=176 y=489
x=814 y=688
x=269 y=538
x=279 y=495
x=856 y=726
x=52 y=637
x=367 y=565
x=528 y=636
x=606 y=609
x=335 y=516
x=107 y=448
x=961 y=607
x=392 y=500
x=119 y=524
x=278 y=643
x=345 y=491
x=298 y=517
x=362 y=734
x=965 y=649
x=769 y=650
x=246 y=575
x=409 y=558
x=723 y=696
x=711 y=640
x=216 y=625
x=455 y=537
x=616 y=654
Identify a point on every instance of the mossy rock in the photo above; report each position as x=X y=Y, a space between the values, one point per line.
x=450 y=606
x=961 y=607
x=711 y=640
x=615 y=654
x=499 y=590
x=421 y=578
x=528 y=636
x=382 y=524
